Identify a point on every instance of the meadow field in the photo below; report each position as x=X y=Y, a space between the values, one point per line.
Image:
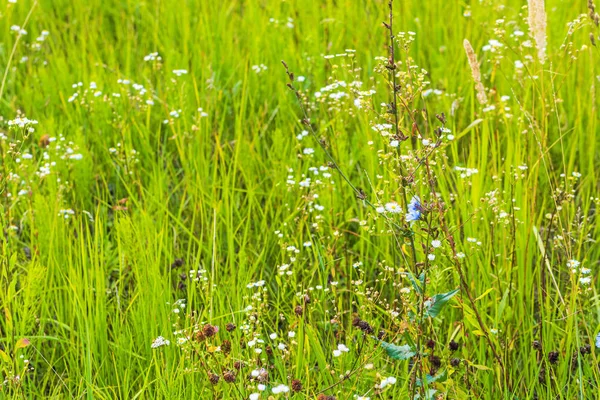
x=301 y=199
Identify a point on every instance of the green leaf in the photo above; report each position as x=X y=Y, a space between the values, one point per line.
x=4 y=357
x=403 y=352
x=437 y=302
x=441 y=377
x=415 y=284
x=22 y=343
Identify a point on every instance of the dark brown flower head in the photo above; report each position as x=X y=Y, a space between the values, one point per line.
x=435 y=361
x=356 y=321
x=229 y=376
x=587 y=349
x=306 y=299
x=299 y=310
x=230 y=327
x=213 y=378
x=177 y=263
x=430 y=344
x=325 y=397
x=553 y=357
x=210 y=330
x=381 y=334
x=226 y=347
x=296 y=386
x=269 y=350
x=453 y=346
x=365 y=327
x=238 y=365
x=537 y=345
x=455 y=362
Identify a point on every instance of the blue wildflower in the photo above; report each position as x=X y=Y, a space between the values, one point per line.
x=598 y=341
x=414 y=209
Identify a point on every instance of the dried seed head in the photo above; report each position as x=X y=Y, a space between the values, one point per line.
x=209 y=330
x=229 y=376
x=177 y=263
x=430 y=344
x=299 y=310
x=587 y=349
x=453 y=346
x=365 y=327
x=537 y=345
x=213 y=378
x=455 y=362
x=238 y=365
x=475 y=71
x=200 y=336
x=226 y=347
x=230 y=327
x=537 y=26
x=296 y=386
x=553 y=357
x=435 y=361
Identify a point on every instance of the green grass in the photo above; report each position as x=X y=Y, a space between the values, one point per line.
x=91 y=292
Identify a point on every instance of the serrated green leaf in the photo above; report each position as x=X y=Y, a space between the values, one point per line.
x=403 y=352
x=438 y=302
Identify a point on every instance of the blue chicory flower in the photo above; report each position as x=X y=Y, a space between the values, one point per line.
x=414 y=209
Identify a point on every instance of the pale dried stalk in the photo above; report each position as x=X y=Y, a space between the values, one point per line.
x=537 y=26
x=481 y=97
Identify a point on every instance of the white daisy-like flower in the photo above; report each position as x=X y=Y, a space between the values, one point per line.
x=393 y=207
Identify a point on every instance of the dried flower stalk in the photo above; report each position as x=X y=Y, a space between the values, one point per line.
x=472 y=57
x=537 y=26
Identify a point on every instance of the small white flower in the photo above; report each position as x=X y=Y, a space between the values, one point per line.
x=308 y=151
x=387 y=381
x=280 y=389
x=254 y=396
x=436 y=244
x=393 y=207
x=585 y=280
x=160 y=341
